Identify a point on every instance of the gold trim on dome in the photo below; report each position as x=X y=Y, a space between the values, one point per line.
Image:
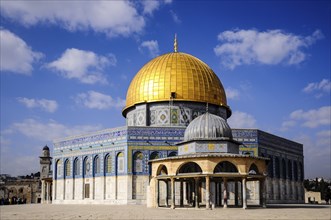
x=185 y=75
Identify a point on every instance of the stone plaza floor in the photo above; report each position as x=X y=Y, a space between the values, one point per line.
x=48 y=211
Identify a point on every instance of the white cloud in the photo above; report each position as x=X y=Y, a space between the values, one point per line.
x=96 y=100
x=321 y=87
x=232 y=93
x=324 y=138
x=149 y=6
x=152 y=46
x=110 y=17
x=242 y=120
x=175 y=17
x=44 y=104
x=85 y=66
x=239 y=47
x=287 y=124
x=50 y=130
x=15 y=55
x=313 y=118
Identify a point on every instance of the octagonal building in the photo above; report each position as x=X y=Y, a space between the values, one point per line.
x=176 y=132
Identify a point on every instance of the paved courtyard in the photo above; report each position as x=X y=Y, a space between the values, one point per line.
x=38 y=211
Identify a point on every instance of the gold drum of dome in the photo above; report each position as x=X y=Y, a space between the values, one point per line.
x=176 y=76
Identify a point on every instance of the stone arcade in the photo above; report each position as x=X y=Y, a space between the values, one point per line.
x=169 y=93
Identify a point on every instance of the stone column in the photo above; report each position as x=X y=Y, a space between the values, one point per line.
x=181 y=196
x=166 y=194
x=196 y=195
x=244 y=193
x=157 y=193
x=207 y=192
x=236 y=203
x=47 y=192
x=212 y=194
x=216 y=194
x=225 y=193
x=43 y=194
x=172 y=193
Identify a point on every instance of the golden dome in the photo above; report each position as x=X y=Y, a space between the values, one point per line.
x=180 y=73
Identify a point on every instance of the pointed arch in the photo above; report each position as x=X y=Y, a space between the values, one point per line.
x=108 y=164
x=162 y=170
x=138 y=158
x=283 y=169
x=155 y=155
x=225 y=167
x=58 y=167
x=120 y=163
x=295 y=171
x=86 y=166
x=189 y=167
x=67 y=168
x=277 y=167
x=96 y=165
x=253 y=170
x=271 y=167
x=289 y=169
x=76 y=167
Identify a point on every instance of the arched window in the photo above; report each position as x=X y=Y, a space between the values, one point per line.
x=108 y=164
x=67 y=168
x=76 y=167
x=58 y=167
x=162 y=170
x=283 y=169
x=295 y=169
x=172 y=154
x=271 y=167
x=190 y=167
x=155 y=155
x=86 y=166
x=225 y=167
x=253 y=170
x=120 y=163
x=138 y=162
x=96 y=165
x=289 y=170
x=277 y=167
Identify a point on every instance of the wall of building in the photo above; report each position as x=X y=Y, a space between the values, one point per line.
x=285 y=169
x=81 y=164
x=170 y=113
x=127 y=183
x=24 y=189
x=313 y=197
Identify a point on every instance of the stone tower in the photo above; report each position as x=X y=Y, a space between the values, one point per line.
x=45 y=163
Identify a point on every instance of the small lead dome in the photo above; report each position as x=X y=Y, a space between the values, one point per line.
x=208 y=126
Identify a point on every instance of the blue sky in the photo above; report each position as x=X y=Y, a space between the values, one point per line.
x=66 y=66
